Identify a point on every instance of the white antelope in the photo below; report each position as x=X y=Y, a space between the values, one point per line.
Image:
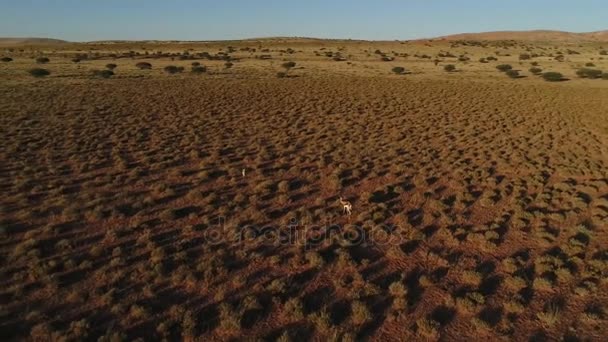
x=347 y=207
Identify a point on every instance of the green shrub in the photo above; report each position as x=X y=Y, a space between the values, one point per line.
x=144 y=65
x=199 y=69
x=398 y=70
x=535 y=71
x=103 y=73
x=37 y=72
x=552 y=76
x=449 y=68
x=42 y=60
x=589 y=73
x=172 y=69
x=512 y=73
x=6 y=59
x=111 y=66
x=504 y=67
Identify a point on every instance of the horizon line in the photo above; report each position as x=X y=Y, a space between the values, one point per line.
x=300 y=37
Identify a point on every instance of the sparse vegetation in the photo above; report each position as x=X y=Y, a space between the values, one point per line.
x=504 y=67
x=144 y=66
x=195 y=207
x=38 y=72
x=42 y=60
x=172 y=69
x=398 y=70
x=589 y=73
x=103 y=73
x=449 y=68
x=199 y=69
x=6 y=59
x=552 y=76
x=512 y=73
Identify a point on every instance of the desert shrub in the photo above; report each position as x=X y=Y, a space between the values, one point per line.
x=534 y=63
x=38 y=72
x=315 y=259
x=111 y=66
x=294 y=308
x=75 y=60
x=281 y=74
x=360 y=314
x=604 y=52
x=552 y=76
x=589 y=64
x=512 y=73
x=199 y=69
x=6 y=59
x=427 y=328
x=605 y=76
x=144 y=65
x=172 y=69
x=228 y=65
x=504 y=67
x=535 y=71
x=195 y=64
x=42 y=60
x=483 y=60
x=449 y=68
x=550 y=315
x=397 y=289
x=398 y=70
x=524 y=57
x=229 y=319
x=103 y=73
x=589 y=73
x=288 y=65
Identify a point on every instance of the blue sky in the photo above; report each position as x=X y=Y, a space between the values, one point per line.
x=82 y=20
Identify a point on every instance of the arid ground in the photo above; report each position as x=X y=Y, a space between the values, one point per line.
x=205 y=206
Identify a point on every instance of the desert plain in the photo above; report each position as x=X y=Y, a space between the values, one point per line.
x=193 y=192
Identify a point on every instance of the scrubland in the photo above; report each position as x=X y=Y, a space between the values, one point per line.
x=158 y=203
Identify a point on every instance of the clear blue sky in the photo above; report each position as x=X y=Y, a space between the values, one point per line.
x=82 y=20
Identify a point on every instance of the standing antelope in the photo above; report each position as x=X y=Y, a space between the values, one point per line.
x=347 y=207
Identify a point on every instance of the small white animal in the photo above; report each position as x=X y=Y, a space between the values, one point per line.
x=243 y=172
x=347 y=207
